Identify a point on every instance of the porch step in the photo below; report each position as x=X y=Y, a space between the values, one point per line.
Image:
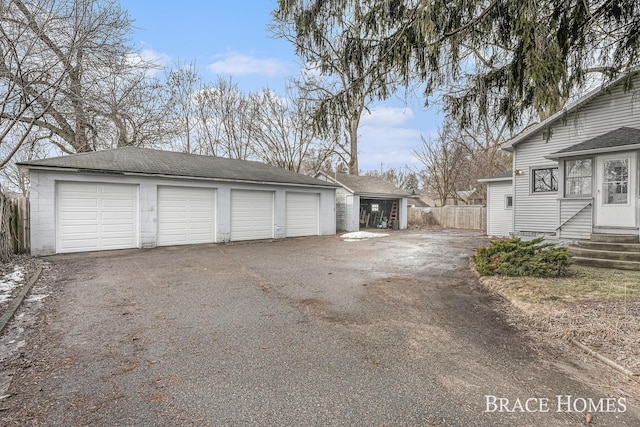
x=607 y=263
x=614 y=238
x=604 y=246
x=607 y=254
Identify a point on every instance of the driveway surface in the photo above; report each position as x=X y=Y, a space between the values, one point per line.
x=310 y=331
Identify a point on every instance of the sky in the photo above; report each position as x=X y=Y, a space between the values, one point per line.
x=231 y=39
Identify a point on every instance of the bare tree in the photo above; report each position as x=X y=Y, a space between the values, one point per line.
x=443 y=162
x=67 y=75
x=183 y=83
x=285 y=136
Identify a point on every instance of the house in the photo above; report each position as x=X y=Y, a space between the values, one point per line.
x=575 y=175
x=366 y=201
x=139 y=198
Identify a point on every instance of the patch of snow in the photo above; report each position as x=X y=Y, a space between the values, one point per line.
x=361 y=235
x=11 y=281
x=33 y=298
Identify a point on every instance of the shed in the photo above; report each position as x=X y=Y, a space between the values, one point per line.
x=366 y=201
x=499 y=204
x=139 y=198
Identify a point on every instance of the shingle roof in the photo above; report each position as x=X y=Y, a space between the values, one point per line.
x=620 y=137
x=367 y=185
x=168 y=163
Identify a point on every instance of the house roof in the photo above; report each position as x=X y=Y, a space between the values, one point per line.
x=504 y=176
x=366 y=185
x=145 y=161
x=616 y=140
x=588 y=97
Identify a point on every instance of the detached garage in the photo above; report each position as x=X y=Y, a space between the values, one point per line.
x=134 y=197
x=367 y=202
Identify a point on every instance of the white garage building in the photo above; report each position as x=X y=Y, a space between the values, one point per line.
x=139 y=198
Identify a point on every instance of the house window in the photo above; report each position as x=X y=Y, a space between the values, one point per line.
x=578 y=177
x=616 y=182
x=545 y=180
x=374 y=207
x=508 y=202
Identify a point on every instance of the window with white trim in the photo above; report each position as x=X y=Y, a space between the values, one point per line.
x=578 y=176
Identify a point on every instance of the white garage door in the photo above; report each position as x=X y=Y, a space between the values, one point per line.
x=251 y=214
x=94 y=216
x=186 y=215
x=302 y=214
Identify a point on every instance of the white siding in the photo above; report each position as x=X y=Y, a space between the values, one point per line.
x=186 y=215
x=43 y=205
x=302 y=214
x=499 y=218
x=607 y=112
x=576 y=218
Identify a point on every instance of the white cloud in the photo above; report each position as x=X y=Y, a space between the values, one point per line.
x=387 y=116
x=146 y=56
x=239 y=64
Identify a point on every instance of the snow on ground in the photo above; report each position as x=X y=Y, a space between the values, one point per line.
x=361 y=235
x=11 y=281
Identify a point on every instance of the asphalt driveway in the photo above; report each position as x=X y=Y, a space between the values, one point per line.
x=309 y=331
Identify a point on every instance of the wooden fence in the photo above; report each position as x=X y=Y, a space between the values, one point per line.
x=20 y=225
x=458 y=217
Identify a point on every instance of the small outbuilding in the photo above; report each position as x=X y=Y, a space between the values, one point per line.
x=367 y=202
x=499 y=204
x=139 y=198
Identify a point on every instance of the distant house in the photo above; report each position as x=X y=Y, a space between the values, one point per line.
x=576 y=173
x=366 y=201
x=138 y=198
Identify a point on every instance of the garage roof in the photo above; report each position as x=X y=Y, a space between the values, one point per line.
x=145 y=161
x=366 y=185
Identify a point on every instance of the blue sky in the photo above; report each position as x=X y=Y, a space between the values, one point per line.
x=230 y=38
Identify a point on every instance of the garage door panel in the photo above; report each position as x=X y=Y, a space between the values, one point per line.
x=251 y=214
x=302 y=214
x=96 y=216
x=186 y=215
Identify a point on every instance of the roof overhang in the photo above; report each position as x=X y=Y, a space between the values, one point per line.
x=497 y=179
x=582 y=153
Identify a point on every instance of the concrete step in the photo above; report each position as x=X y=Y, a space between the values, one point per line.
x=614 y=238
x=607 y=263
x=604 y=254
x=603 y=246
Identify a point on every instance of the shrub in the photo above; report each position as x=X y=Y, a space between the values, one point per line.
x=514 y=257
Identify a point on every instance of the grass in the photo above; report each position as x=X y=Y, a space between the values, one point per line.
x=583 y=284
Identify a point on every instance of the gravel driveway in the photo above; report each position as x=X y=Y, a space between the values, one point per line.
x=311 y=331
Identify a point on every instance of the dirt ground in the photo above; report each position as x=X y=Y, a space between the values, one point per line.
x=313 y=331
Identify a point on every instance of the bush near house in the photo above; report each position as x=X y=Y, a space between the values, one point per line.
x=514 y=257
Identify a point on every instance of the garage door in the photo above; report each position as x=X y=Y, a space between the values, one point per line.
x=94 y=216
x=302 y=214
x=186 y=215
x=251 y=215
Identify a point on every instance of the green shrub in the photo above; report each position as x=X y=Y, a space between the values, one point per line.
x=514 y=257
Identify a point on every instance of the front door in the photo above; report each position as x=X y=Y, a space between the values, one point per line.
x=615 y=190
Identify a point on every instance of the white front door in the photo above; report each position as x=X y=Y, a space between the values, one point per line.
x=616 y=190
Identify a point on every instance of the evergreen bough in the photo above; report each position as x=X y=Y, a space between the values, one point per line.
x=514 y=257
